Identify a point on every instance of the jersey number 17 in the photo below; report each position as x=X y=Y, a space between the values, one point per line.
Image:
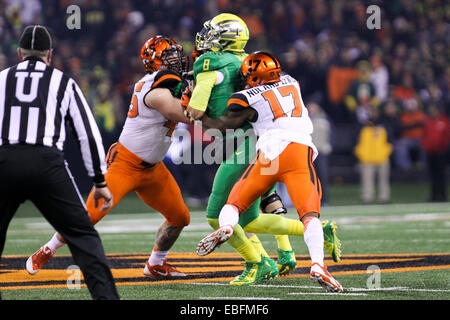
x=275 y=105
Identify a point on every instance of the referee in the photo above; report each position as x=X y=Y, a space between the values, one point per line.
x=36 y=102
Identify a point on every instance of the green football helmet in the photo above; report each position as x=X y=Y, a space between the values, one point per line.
x=224 y=32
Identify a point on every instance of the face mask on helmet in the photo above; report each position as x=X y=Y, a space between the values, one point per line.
x=160 y=53
x=172 y=59
x=204 y=38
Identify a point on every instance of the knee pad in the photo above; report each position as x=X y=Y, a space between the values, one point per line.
x=271 y=199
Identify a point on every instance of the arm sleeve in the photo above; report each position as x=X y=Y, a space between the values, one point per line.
x=205 y=82
x=87 y=133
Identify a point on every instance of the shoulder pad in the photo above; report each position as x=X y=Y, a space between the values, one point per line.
x=166 y=79
x=170 y=80
x=237 y=101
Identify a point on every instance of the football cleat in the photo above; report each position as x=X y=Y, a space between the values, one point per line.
x=38 y=260
x=273 y=265
x=158 y=271
x=239 y=280
x=324 y=278
x=256 y=272
x=215 y=239
x=331 y=242
x=286 y=262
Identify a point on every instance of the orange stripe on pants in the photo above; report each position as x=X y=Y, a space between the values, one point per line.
x=293 y=167
x=155 y=186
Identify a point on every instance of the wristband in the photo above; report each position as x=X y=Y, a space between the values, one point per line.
x=100 y=185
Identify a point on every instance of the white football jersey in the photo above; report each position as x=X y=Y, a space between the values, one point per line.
x=281 y=116
x=146 y=132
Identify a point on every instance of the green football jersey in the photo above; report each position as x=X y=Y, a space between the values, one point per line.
x=228 y=64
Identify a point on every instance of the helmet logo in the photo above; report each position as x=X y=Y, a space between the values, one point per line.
x=250 y=63
x=162 y=53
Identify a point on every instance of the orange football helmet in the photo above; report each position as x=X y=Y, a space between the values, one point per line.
x=196 y=53
x=160 y=53
x=260 y=68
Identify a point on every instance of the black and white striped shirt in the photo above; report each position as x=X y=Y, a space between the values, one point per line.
x=36 y=100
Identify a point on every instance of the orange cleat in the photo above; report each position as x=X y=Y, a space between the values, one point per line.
x=320 y=274
x=166 y=270
x=215 y=239
x=38 y=260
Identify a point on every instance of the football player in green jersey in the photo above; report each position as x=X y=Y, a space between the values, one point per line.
x=216 y=75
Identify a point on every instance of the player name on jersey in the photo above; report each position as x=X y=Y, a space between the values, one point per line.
x=257 y=90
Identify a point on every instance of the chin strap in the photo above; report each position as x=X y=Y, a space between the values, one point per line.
x=270 y=199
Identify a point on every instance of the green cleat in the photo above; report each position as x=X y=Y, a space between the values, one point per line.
x=239 y=280
x=255 y=273
x=286 y=262
x=273 y=266
x=331 y=242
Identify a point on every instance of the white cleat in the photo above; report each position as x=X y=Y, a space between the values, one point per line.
x=324 y=278
x=215 y=239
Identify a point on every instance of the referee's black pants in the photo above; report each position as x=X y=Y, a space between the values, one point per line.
x=40 y=174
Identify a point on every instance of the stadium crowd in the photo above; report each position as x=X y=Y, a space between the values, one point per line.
x=396 y=77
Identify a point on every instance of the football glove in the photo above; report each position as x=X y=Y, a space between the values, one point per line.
x=185 y=98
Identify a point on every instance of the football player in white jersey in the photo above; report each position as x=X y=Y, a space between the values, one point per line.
x=273 y=105
x=135 y=161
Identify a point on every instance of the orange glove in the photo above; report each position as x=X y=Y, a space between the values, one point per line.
x=185 y=98
x=196 y=53
x=185 y=101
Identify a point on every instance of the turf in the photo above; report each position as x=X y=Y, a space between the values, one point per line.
x=386 y=230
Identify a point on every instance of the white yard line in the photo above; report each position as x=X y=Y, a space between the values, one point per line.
x=238 y=298
x=398 y=207
x=150 y=221
x=394 y=218
x=117 y=226
x=319 y=288
x=151 y=225
x=327 y=294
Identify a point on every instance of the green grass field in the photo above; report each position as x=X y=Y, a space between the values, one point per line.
x=397 y=239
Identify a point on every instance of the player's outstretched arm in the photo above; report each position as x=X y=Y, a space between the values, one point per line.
x=170 y=107
x=230 y=120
